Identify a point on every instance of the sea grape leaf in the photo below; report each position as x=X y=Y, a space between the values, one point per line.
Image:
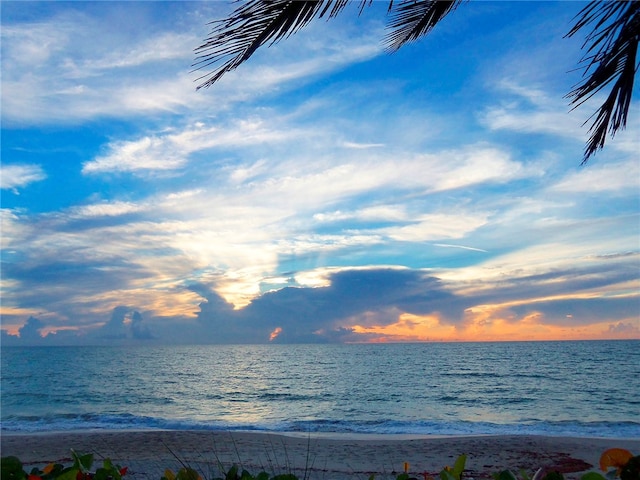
x=505 y=475
x=458 y=467
x=187 y=474
x=232 y=474
x=631 y=471
x=82 y=462
x=447 y=475
x=69 y=474
x=245 y=475
x=11 y=468
x=592 y=476
x=553 y=476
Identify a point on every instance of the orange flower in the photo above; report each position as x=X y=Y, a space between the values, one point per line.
x=614 y=457
x=49 y=468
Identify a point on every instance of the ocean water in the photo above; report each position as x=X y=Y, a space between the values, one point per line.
x=552 y=388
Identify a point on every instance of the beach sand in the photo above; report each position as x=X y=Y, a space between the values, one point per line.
x=315 y=456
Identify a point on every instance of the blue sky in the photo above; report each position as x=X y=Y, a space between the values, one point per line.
x=324 y=191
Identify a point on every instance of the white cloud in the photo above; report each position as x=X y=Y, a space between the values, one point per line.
x=463 y=247
x=170 y=151
x=612 y=177
x=375 y=213
x=107 y=209
x=437 y=226
x=79 y=69
x=362 y=146
x=16 y=176
x=530 y=109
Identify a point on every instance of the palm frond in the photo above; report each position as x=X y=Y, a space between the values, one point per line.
x=410 y=19
x=611 y=50
x=255 y=23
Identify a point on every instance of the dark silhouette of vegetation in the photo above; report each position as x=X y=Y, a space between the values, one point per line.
x=610 y=47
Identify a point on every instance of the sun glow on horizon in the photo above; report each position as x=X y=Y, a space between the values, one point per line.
x=477 y=328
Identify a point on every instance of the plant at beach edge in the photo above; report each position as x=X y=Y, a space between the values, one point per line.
x=447 y=473
x=615 y=462
x=12 y=469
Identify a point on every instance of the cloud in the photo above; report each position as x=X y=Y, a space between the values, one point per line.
x=375 y=304
x=613 y=177
x=628 y=330
x=32 y=330
x=438 y=226
x=79 y=69
x=317 y=314
x=473 y=249
x=292 y=200
x=124 y=323
x=170 y=151
x=15 y=176
x=105 y=209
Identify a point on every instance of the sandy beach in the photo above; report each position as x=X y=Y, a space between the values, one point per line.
x=329 y=456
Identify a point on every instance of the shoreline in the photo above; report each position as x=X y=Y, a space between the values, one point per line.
x=313 y=456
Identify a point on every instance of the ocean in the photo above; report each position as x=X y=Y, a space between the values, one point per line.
x=582 y=388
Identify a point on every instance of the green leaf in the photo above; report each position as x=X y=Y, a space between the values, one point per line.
x=187 y=474
x=262 y=476
x=101 y=474
x=68 y=474
x=403 y=476
x=553 y=476
x=232 y=474
x=113 y=469
x=505 y=475
x=82 y=462
x=11 y=468
x=592 y=476
x=447 y=475
x=458 y=467
x=246 y=475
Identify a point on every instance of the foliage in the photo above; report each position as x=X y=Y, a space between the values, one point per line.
x=186 y=473
x=12 y=469
x=616 y=462
x=625 y=466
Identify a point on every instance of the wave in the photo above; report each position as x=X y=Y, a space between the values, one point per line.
x=68 y=422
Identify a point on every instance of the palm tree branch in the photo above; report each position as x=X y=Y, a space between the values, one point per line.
x=410 y=20
x=610 y=58
x=235 y=39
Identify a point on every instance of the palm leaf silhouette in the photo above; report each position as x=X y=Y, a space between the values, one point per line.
x=611 y=50
x=611 y=47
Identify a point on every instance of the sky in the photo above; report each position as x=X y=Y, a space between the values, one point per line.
x=324 y=191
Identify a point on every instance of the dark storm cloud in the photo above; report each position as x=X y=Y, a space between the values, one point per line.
x=365 y=297
x=125 y=323
x=323 y=314
x=31 y=331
